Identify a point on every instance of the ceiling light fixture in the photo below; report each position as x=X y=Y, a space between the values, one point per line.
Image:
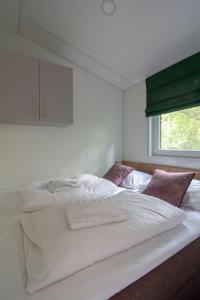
x=108 y=7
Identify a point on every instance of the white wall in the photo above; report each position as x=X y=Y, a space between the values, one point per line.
x=105 y=114
x=136 y=131
x=91 y=144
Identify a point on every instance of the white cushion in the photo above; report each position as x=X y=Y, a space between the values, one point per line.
x=136 y=180
x=192 y=196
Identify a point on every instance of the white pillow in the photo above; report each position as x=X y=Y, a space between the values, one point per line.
x=128 y=182
x=85 y=178
x=102 y=188
x=136 y=180
x=36 y=196
x=192 y=196
x=96 y=186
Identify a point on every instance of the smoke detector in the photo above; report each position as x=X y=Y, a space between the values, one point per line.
x=108 y=7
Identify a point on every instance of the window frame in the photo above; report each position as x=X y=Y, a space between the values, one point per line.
x=154 y=143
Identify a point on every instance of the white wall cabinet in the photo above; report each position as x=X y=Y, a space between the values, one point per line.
x=34 y=92
x=19 y=88
x=56 y=94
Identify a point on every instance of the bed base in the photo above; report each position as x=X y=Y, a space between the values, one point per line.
x=178 y=278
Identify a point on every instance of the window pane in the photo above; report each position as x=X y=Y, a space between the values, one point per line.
x=180 y=130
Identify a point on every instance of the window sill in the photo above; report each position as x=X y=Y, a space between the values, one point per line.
x=177 y=154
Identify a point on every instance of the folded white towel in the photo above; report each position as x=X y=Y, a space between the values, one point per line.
x=59 y=185
x=82 y=214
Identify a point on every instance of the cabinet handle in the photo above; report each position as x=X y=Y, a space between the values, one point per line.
x=34 y=108
x=43 y=109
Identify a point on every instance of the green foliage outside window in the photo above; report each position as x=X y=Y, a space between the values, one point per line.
x=180 y=130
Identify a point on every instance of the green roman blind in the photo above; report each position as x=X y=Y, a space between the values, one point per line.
x=175 y=88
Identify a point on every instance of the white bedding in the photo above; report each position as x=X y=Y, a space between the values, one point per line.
x=53 y=251
x=97 y=282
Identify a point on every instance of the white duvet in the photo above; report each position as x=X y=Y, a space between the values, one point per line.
x=53 y=251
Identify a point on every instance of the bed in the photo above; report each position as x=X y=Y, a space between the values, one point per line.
x=164 y=267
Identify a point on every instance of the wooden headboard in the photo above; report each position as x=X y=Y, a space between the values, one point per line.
x=149 y=168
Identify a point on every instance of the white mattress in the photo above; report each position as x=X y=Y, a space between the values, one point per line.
x=97 y=282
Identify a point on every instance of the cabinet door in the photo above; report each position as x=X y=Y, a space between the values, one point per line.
x=19 y=88
x=56 y=94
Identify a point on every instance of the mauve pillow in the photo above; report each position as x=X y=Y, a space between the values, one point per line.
x=117 y=173
x=169 y=186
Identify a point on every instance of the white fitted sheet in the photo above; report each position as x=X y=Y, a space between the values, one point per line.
x=97 y=282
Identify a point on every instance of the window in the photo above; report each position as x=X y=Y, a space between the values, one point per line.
x=176 y=133
x=173 y=107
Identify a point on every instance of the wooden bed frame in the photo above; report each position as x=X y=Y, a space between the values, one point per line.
x=178 y=278
x=149 y=168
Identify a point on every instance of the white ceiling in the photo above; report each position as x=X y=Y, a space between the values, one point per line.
x=143 y=37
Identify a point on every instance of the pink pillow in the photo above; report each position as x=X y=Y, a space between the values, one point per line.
x=169 y=186
x=117 y=173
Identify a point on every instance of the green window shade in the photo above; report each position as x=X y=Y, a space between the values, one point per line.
x=175 y=88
